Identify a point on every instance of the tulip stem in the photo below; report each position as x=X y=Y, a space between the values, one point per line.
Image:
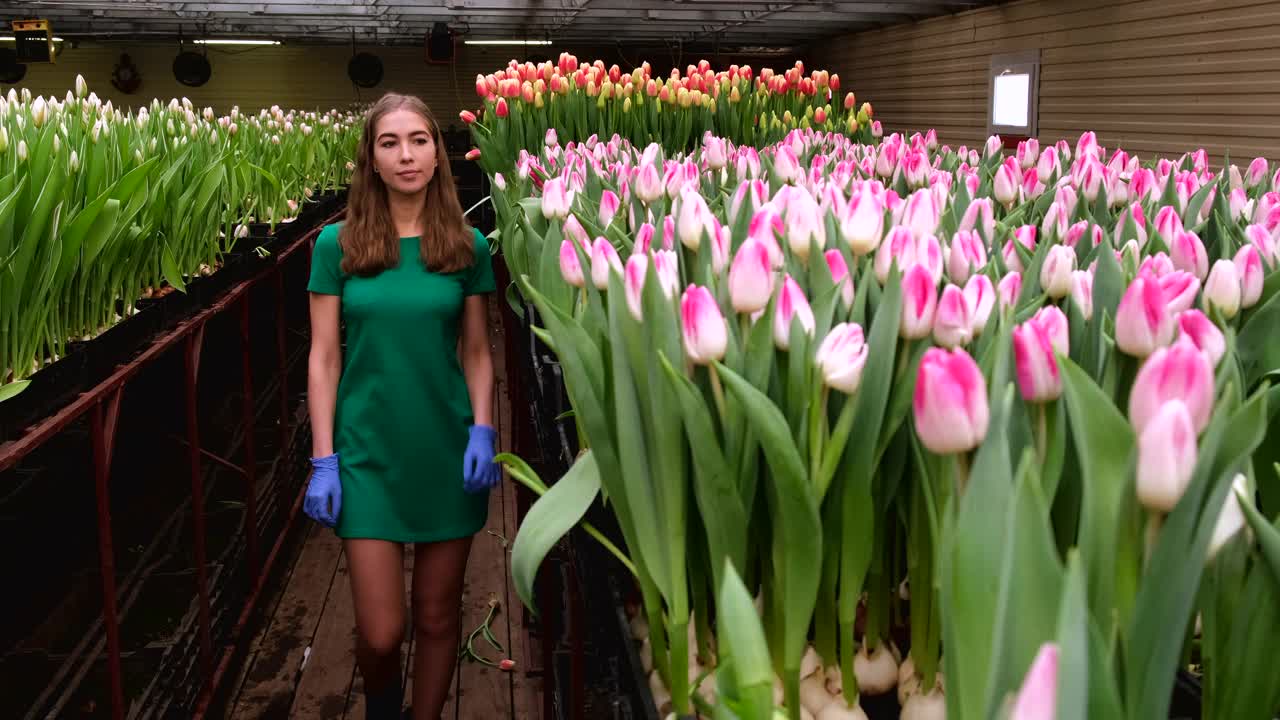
x=1042 y=432
x=718 y=391
x=962 y=474
x=1155 y=521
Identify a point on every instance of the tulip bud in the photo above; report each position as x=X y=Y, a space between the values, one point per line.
x=721 y=241
x=22 y=151
x=994 y=146
x=840 y=275
x=804 y=225
x=1166 y=457
x=1258 y=236
x=751 y=277
x=604 y=257
x=1231 y=518
x=1257 y=172
x=953 y=322
x=863 y=223
x=609 y=204
x=665 y=263
x=570 y=265
x=919 y=303
x=921 y=213
x=73 y=163
x=556 y=201
x=792 y=306
x=842 y=356
x=1037 y=699
x=1188 y=253
x=1143 y=320
x=1047 y=166
x=1179 y=290
x=648 y=184
x=1009 y=289
x=899 y=247
x=1034 y=344
x=1082 y=292
x=1248 y=264
x=1008 y=183
x=703 y=327
x=695 y=218
x=1055 y=274
x=980 y=295
x=980 y=216
x=949 y=405
x=1195 y=327
x=1178 y=372
x=467 y=116
x=1222 y=290
x=968 y=254
x=633 y=283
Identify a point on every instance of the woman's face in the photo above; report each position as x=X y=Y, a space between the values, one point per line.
x=404 y=152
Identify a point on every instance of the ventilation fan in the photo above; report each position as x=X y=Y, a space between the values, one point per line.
x=191 y=68
x=365 y=69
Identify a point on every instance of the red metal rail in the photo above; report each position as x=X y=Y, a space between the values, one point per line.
x=103 y=402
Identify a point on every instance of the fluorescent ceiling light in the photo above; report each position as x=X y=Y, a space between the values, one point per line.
x=10 y=38
x=506 y=42
x=231 y=41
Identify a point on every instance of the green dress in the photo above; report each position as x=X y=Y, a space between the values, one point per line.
x=400 y=427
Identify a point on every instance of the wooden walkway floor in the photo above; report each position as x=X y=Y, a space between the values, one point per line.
x=302 y=662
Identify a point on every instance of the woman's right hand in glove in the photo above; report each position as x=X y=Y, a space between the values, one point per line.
x=324 y=492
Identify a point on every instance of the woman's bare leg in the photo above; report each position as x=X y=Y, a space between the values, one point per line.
x=438 y=572
x=377 y=590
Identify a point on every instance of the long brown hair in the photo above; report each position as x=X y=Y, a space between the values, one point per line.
x=369 y=241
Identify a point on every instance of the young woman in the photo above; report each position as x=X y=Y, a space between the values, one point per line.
x=402 y=430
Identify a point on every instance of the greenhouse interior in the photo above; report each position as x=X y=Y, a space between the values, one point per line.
x=640 y=359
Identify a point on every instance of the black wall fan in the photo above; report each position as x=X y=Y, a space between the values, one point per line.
x=365 y=69
x=191 y=68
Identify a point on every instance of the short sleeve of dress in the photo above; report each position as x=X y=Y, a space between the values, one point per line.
x=326 y=263
x=480 y=275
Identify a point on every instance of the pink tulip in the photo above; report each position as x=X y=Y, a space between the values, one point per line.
x=715 y=153
x=793 y=306
x=669 y=232
x=1087 y=145
x=1178 y=372
x=980 y=216
x=573 y=230
x=720 y=247
x=1188 y=253
x=1009 y=289
x=1238 y=202
x=1067 y=197
x=805 y=224
x=919 y=303
x=949 y=405
x=980 y=295
x=1258 y=236
x=929 y=254
x=1028 y=153
x=603 y=258
x=1166 y=457
x=840 y=275
x=1082 y=292
x=556 y=200
x=1008 y=183
x=633 y=276
x=1158 y=265
x=1055 y=273
x=1047 y=166
x=648 y=184
x=915 y=166
x=993 y=147
x=749 y=196
x=968 y=254
x=1039 y=379
x=1143 y=320
x=750 y=277
x=1222 y=290
x=570 y=265
x=666 y=264
x=953 y=323
x=550 y=139
x=1037 y=699
x=841 y=357
x=1142 y=185
x=1195 y=327
x=786 y=165
x=1169 y=223
x=1054 y=322
x=1055 y=225
x=900 y=246
x=921 y=213
x=1090 y=177
x=703 y=327
x=1257 y=171
x=694 y=218
x=1179 y=290
x=1024 y=235
x=1075 y=233
x=644 y=239
x=1248 y=264
x=1122 y=234
x=609 y=204
x=862 y=224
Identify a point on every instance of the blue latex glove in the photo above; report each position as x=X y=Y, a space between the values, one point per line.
x=324 y=493
x=479 y=471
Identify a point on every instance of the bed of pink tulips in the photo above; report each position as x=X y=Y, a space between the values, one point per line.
x=872 y=416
